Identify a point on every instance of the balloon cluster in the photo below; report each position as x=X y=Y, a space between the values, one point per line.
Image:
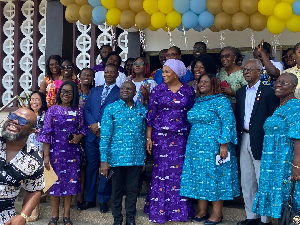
x=78 y=10
x=236 y=15
x=281 y=14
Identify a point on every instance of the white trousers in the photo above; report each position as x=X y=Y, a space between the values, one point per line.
x=250 y=169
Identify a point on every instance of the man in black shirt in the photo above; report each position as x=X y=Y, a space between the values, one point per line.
x=19 y=165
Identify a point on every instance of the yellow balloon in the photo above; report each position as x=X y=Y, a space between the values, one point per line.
x=283 y=11
x=81 y=2
x=274 y=25
x=293 y=23
x=142 y=20
x=72 y=12
x=288 y=1
x=150 y=6
x=158 y=20
x=165 y=6
x=231 y=6
x=167 y=29
x=67 y=2
x=258 y=22
x=136 y=5
x=173 y=19
x=122 y=4
x=214 y=29
x=127 y=19
x=240 y=21
x=152 y=28
x=222 y=21
x=266 y=7
x=69 y=20
x=249 y=7
x=214 y=6
x=85 y=21
x=113 y=16
x=108 y=4
x=85 y=12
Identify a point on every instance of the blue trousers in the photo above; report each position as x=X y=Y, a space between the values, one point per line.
x=92 y=173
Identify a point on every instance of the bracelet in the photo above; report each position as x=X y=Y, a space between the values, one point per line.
x=24 y=216
x=148 y=139
x=298 y=167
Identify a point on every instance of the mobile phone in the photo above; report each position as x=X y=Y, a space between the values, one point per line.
x=70 y=136
x=224 y=83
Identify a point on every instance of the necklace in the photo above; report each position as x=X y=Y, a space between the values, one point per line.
x=285 y=101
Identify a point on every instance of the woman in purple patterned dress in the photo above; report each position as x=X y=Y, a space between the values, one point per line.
x=167 y=134
x=61 y=121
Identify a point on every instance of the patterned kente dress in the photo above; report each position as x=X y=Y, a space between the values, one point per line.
x=168 y=116
x=64 y=157
x=213 y=124
x=281 y=129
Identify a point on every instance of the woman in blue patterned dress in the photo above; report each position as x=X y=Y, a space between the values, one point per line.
x=61 y=120
x=280 y=160
x=213 y=132
x=167 y=134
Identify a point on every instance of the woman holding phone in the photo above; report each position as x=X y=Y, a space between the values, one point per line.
x=62 y=131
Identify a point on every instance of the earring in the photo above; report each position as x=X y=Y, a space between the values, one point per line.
x=74 y=76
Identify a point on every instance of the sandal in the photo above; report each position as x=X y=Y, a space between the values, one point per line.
x=34 y=215
x=67 y=220
x=53 y=220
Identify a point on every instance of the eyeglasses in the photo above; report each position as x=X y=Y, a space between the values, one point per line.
x=282 y=83
x=168 y=55
x=198 y=48
x=248 y=70
x=65 y=92
x=225 y=56
x=21 y=120
x=289 y=56
x=66 y=67
x=138 y=63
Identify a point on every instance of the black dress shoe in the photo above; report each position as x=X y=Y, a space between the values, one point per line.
x=86 y=205
x=209 y=222
x=262 y=223
x=103 y=207
x=130 y=222
x=249 y=222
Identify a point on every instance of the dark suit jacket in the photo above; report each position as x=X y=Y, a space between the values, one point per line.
x=93 y=110
x=265 y=104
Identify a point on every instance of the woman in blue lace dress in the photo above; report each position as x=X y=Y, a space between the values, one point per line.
x=213 y=133
x=280 y=162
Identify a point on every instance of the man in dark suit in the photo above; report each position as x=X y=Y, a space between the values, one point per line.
x=255 y=102
x=98 y=99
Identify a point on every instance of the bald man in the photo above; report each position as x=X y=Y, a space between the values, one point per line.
x=19 y=165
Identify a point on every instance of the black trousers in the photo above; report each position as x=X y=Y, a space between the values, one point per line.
x=128 y=177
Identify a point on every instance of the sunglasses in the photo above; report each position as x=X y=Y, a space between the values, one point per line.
x=21 y=120
x=198 y=48
x=282 y=83
x=171 y=54
x=66 y=67
x=139 y=63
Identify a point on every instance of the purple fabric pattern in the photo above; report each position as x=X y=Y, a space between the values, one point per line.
x=64 y=157
x=101 y=67
x=168 y=116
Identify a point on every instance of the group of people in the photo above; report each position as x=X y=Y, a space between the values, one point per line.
x=195 y=121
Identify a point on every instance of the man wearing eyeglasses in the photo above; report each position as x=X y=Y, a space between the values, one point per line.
x=255 y=102
x=20 y=164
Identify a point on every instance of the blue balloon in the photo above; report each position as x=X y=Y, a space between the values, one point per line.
x=95 y=3
x=96 y=23
x=181 y=6
x=180 y=28
x=198 y=28
x=296 y=7
x=189 y=19
x=198 y=6
x=206 y=19
x=99 y=14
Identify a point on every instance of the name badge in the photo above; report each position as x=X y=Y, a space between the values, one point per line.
x=72 y=113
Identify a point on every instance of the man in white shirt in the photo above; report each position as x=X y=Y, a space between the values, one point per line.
x=112 y=58
x=255 y=102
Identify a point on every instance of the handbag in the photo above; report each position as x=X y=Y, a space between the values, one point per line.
x=83 y=159
x=289 y=216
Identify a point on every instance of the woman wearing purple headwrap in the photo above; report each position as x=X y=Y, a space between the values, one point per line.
x=167 y=134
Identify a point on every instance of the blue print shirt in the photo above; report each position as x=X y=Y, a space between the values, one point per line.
x=123 y=134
